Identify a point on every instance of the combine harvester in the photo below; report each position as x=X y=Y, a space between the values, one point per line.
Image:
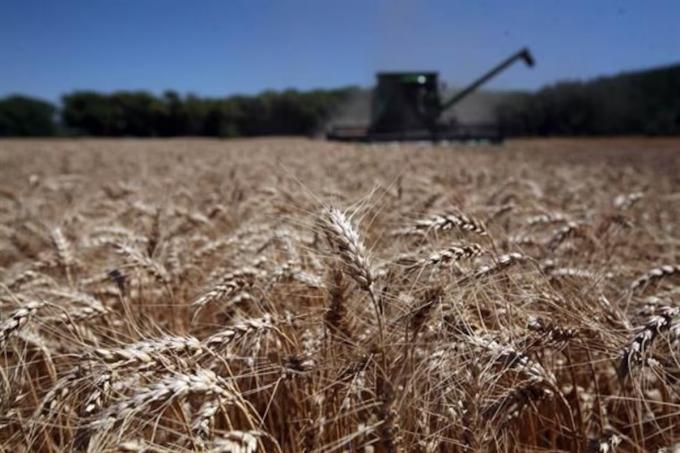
x=408 y=106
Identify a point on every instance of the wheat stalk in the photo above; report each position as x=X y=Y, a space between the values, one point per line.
x=148 y=352
x=632 y=355
x=63 y=249
x=445 y=256
x=17 y=320
x=445 y=222
x=345 y=241
x=236 y=442
x=174 y=387
x=654 y=275
x=239 y=330
x=229 y=284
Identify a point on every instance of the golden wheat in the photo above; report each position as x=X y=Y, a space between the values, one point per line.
x=297 y=295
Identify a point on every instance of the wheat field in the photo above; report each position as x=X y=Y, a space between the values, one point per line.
x=289 y=295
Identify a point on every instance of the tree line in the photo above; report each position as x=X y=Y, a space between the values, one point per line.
x=640 y=103
x=142 y=114
x=643 y=102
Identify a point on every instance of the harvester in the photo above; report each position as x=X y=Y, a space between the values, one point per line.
x=408 y=106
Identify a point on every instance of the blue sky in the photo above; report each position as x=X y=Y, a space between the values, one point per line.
x=224 y=47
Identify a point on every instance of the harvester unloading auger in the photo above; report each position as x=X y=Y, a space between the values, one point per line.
x=408 y=106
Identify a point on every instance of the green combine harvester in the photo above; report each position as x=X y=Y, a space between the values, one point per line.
x=408 y=106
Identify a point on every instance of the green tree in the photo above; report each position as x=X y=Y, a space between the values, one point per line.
x=24 y=116
x=135 y=114
x=89 y=113
x=124 y=113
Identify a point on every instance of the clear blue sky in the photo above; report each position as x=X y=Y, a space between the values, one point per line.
x=223 y=47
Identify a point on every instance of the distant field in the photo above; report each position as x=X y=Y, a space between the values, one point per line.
x=296 y=295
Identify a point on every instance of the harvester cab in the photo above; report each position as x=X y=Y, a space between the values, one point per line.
x=405 y=101
x=408 y=106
